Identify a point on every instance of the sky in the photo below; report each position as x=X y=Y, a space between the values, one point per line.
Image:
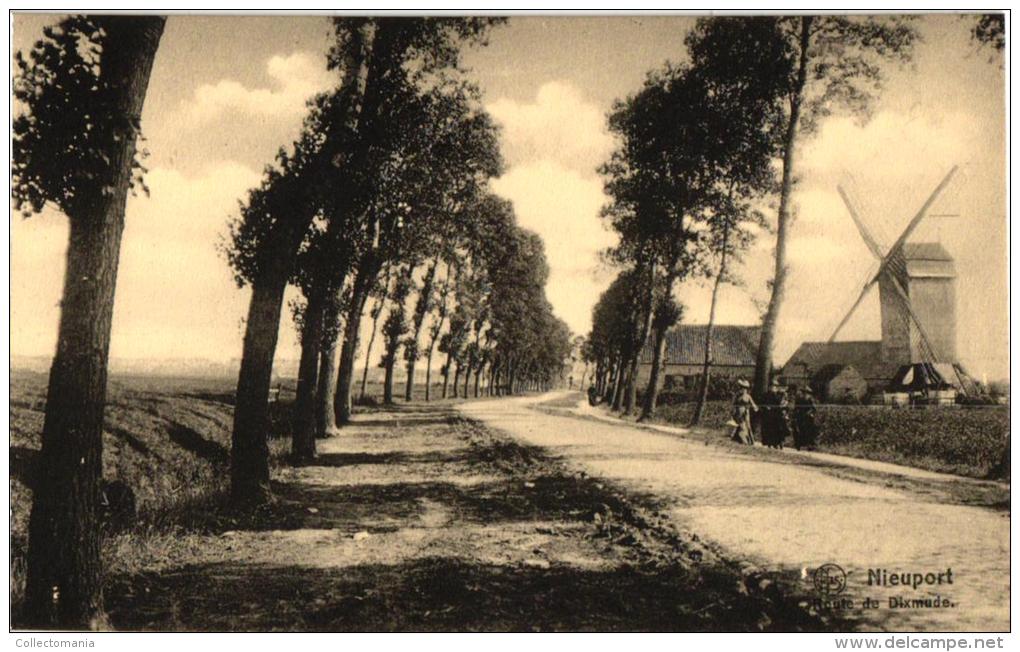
x=227 y=92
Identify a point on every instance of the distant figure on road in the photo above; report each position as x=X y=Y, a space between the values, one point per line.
x=775 y=418
x=571 y=385
x=806 y=433
x=743 y=406
x=593 y=395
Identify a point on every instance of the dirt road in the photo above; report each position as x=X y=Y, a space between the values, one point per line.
x=794 y=519
x=416 y=519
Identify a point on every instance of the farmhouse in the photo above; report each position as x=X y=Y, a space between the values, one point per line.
x=733 y=353
x=819 y=363
x=839 y=384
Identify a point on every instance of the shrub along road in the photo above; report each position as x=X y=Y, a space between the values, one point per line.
x=794 y=518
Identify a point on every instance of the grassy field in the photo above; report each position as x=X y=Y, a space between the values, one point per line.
x=966 y=441
x=168 y=439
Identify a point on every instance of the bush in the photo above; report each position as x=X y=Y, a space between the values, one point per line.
x=955 y=440
x=720 y=388
x=366 y=401
x=716 y=415
x=969 y=441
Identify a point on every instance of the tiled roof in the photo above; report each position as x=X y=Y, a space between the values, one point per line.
x=731 y=345
x=865 y=356
x=830 y=371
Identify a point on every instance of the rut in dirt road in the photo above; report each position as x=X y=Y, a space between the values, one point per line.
x=792 y=519
x=416 y=519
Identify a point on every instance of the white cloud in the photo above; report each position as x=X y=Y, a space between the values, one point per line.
x=553 y=146
x=889 y=166
x=295 y=78
x=560 y=125
x=175 y=293
x=562 y=206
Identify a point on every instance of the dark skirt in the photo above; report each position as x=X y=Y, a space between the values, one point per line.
x=807 y=433
x=774 y=429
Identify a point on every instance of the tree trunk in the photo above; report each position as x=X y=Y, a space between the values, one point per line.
x=421 y=310
x=646 y=326
x=388 y=363
x=456 y=379
x=652 y=392
x=376 y=312
x=763 y=361
x=428 y=374
x=304 y=416
x=249 y=461
x=363 y=282
x=409 y=382
x=64 y=587
x=610 y=383
x=467 y=374
x=446 y=375
x=621 y=382
x=706 y=373
x=630 y=390
x=478 y=374
x=325 y=414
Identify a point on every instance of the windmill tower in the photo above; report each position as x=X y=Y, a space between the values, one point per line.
x=917 y=294
x=927 y=274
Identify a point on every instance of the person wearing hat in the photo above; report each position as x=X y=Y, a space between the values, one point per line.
x=743 y=406
x=775 y=418
x=806 y=434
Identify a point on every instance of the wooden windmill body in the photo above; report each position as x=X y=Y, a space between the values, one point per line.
x=917 y=296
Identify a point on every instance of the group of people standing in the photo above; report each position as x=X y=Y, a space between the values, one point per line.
x=780 y=416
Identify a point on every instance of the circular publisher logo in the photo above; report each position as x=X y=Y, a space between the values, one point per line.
x=829 y=579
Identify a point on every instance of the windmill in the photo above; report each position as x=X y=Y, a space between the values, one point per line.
x=907 y=272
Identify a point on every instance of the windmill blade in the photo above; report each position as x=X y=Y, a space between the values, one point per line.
x=846 y=318
x=914 y=222
x=869 y=240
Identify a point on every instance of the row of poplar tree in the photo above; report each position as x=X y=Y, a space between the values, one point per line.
x=708 y=153
x=384 y=193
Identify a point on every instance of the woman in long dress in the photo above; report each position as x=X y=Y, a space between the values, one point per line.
x=775 y=417
x=804 y=411
x=743 y=406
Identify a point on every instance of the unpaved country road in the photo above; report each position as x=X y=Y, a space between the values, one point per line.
x=792 y=519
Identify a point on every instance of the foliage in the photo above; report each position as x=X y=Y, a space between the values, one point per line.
x=963 y=440
x=968 y=441
x=990 y=29
x=617 y=316
x=805 y=68
x=284 y=195
x=395 y=326
x=66 y=122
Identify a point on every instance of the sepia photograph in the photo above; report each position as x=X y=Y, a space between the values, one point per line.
x=474 y=321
